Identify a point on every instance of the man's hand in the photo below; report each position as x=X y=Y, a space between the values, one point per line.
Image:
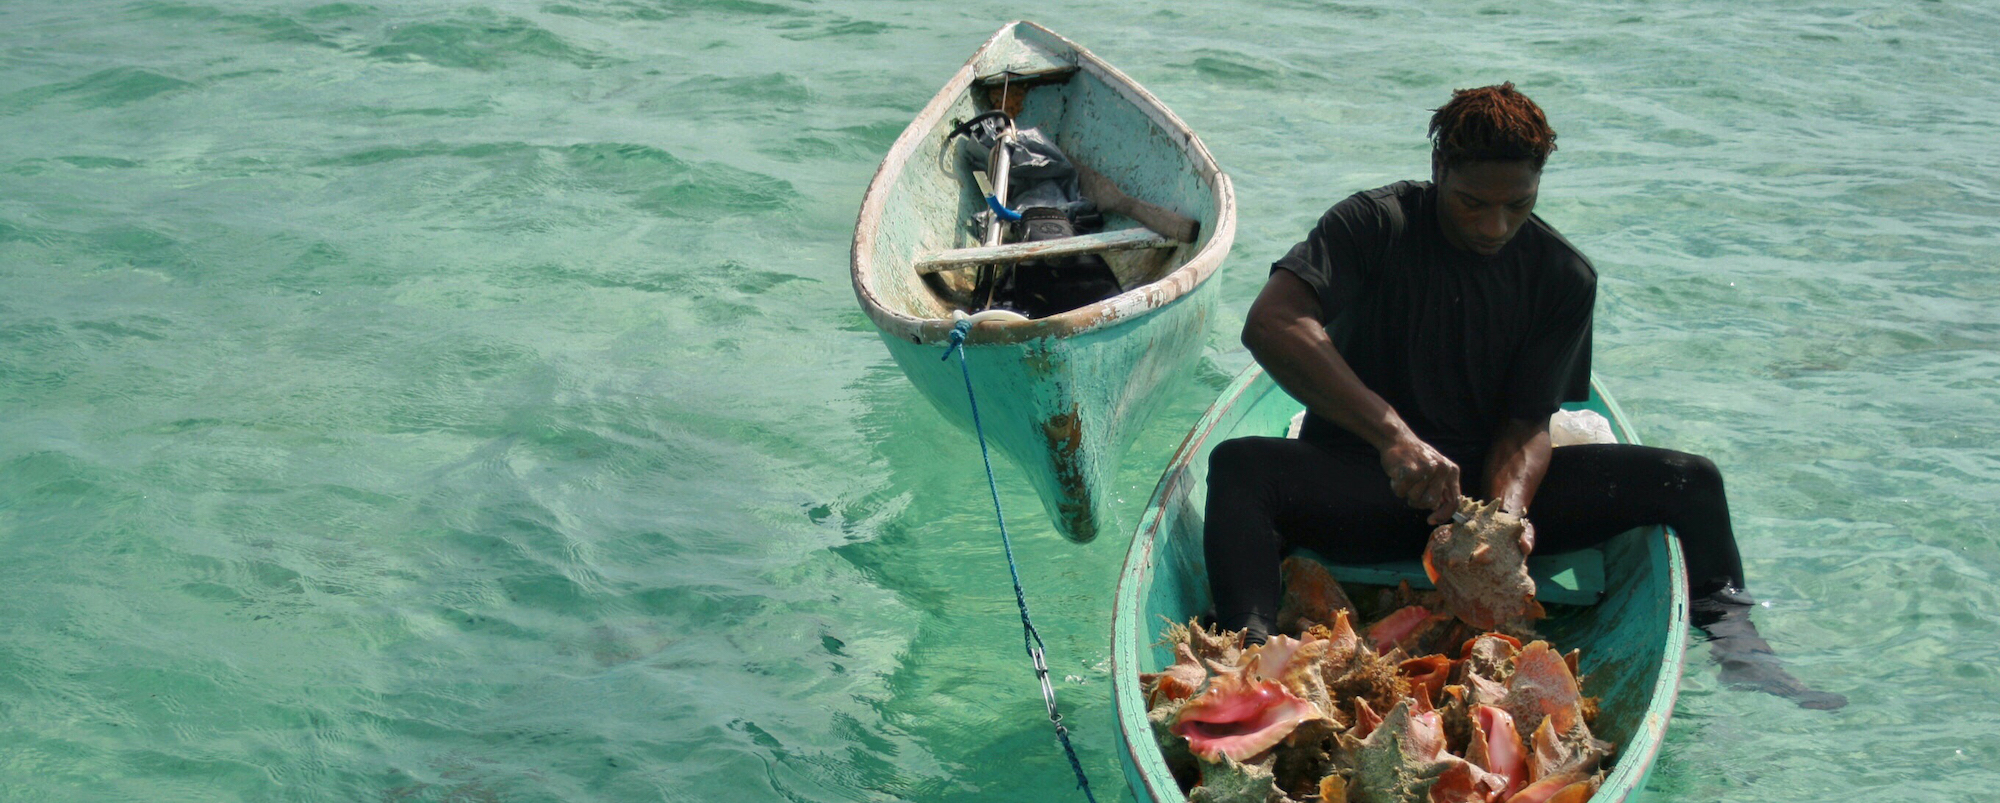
x=1527 y=537
x=1423 y=477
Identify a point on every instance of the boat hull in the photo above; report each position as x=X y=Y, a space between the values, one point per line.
x=1060 y=396
x=1064 y=409
x=1633 y=639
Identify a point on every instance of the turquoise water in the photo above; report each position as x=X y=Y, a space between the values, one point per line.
x=466 y=402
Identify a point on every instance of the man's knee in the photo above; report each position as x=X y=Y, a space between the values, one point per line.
x=1694 y=473
x=1233 y=461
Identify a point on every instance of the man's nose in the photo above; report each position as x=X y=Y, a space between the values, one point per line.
x=1493 y=225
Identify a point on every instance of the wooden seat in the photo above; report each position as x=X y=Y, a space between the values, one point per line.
x=1101 y=242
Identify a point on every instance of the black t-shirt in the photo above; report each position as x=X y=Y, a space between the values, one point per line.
x=1456 y=342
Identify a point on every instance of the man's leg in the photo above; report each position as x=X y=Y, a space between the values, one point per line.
x=1593 y=492
x=1268 y=495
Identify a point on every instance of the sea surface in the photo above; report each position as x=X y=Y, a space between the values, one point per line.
x=466 y=401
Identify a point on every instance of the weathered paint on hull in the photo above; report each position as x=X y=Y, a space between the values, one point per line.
x=1633 y=641
x=1061 y=396
x=1065 y=409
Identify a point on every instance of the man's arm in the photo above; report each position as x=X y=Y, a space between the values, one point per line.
x=1283 y=331
x=1515 y=465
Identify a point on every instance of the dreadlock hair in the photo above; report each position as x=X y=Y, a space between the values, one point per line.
x=1491 y=123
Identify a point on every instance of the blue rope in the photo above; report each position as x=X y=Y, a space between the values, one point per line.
x=1029 y=638
x=1000 y=209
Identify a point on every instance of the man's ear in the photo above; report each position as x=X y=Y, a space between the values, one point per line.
x=1437 y=168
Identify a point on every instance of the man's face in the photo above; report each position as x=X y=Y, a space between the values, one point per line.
x=1482 y=204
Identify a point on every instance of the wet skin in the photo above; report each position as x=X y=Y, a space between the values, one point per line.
x=1481 y=205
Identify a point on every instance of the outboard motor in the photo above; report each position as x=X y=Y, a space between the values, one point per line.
x=1044 y=287
x=1042 y=184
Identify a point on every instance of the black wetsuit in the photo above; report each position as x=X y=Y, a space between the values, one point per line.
x=1458 y=344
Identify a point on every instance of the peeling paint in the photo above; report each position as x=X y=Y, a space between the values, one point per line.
x=1064 y=435
x=1063 y=395
x=881 y=277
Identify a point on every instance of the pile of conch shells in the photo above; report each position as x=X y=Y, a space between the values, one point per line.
x=1413 y=706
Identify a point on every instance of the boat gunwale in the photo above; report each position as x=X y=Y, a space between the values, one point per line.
x=1146 y=766
x=1110 y=312
x=1135 y=732
x=1627 y=777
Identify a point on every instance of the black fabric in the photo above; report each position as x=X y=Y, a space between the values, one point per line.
x=1455 y=341
x=1269 y=496
x=1038 y=173
x=1745 y=657
x=1043 y=287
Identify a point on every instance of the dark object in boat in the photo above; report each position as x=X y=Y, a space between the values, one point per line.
x=1043 y=287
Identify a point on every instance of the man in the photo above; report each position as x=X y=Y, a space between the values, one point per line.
x=1431 y=328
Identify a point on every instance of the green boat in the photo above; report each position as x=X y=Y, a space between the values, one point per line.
x=1061 y=395
x=1625 y=604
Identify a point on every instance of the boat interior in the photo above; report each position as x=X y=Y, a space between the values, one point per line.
x=1153 y=204
x=1616 y=602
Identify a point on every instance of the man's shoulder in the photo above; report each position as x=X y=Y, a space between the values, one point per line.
x=1559 y=255
x=1402 y=196
x=1387 y=208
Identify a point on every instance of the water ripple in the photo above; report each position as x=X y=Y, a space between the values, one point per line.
x=434 y=402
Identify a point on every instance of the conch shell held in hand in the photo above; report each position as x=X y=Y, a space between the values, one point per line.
x=1479 y=567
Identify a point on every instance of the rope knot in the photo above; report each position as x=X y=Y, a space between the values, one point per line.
x=957 y=337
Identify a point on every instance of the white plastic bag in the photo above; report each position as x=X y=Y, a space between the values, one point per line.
x=1571 y=427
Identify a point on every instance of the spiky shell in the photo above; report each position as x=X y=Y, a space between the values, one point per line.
x=1479 y=568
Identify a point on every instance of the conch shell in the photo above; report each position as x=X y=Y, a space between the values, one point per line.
x=1404 y=760
x=1241 y=714
x=1231 y=781
x=1404 y=626
x=1312 y=595
x=1479 y=567
x=1541 y=686
x=1496 y=747
x=1177 y=682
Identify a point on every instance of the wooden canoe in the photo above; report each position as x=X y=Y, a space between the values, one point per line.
x=1632 y=637
x=1062 y=396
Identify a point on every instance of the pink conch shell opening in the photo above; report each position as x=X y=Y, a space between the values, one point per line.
x=1397 y=626
x=1541 y=686
x=1496 y=747
x=1239 y=717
